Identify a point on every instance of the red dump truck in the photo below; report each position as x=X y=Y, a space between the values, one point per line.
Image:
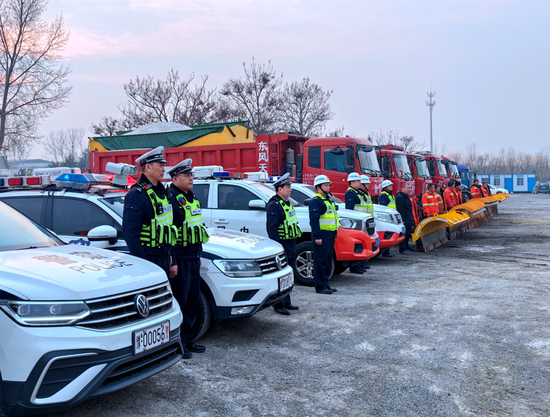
x=395 y=166
x=236 y=149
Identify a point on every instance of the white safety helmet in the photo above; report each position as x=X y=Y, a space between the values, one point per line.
x=321 y=179
x=354 y=176
x=385 y=183
x=365 y=179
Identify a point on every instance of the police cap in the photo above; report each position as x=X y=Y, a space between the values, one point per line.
x=184 y=167
x=156 y=155
x=281 y=182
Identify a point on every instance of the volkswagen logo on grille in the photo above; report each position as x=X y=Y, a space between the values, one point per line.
x=279 y=261
x=141 y=304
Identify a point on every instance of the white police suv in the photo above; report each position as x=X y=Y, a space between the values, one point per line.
x=241 y=274
x=76 y=322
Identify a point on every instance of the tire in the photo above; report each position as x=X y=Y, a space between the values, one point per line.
x=204 y=316
x=339 y=267
x=3 y=411
x=466 y=196
x=303 y=265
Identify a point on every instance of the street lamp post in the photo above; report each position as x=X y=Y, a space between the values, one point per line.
x=431 y=105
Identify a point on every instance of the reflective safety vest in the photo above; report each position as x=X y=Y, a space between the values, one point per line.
x=192 y=231
x=329 y=220
x=429 y=205
x=450 y=197
x=414 y=210
x=458 y=197
x=392 y=200
x=290 y=228
x=485 y=190
x=365 y=206
x=160 y=232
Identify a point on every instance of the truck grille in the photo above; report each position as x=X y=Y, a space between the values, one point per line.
x=268 y=265
x=119 y=310
x=370 y=226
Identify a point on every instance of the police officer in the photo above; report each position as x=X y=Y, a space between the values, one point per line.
x=147 y=225
x=386 y=198
x=323 y=220
x=356 y=200
x=187 y=251
x=282 y=226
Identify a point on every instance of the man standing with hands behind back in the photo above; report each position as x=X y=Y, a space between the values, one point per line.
x=282 y=226
x=187 y=252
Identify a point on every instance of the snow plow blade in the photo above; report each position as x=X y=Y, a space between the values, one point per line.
x=438 y=230
x=491 y=202
x=475 y=210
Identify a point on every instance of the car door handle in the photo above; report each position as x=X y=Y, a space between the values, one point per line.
x=221 y=221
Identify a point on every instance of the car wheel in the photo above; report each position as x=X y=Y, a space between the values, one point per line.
x=340 y=267
x=3 y=411
x=466 y=196
x=303 y=265
x=204 y=316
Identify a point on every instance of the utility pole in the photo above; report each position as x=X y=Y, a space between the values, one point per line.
x=431 y=105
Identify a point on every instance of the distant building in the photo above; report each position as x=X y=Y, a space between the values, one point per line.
x=518 y=183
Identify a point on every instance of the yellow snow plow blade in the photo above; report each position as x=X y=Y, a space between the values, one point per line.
x=437 y=230
x=475 y=210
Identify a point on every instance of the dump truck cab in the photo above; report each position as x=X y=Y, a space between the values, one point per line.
x=395 y=166
x=438 y=170
x=421 y=174
x=336 y=158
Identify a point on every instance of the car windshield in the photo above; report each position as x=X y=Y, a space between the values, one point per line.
x=19 y=232
x=114 y=203
x=269 y=192
x=441 y=168
x=401 y=165
x=421 y=167
x=368 y=161
x=310 y=191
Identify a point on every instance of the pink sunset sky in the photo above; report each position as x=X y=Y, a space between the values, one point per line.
x=488 y=60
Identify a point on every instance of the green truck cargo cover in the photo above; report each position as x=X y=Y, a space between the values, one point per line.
x=166 y=139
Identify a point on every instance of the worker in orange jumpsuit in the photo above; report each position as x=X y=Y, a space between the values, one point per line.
x=429 y=202
x=449 y=195
x=458 y=192
x=475 y=190
x=485 y=188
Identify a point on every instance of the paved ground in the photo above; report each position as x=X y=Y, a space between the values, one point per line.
x=460 y=331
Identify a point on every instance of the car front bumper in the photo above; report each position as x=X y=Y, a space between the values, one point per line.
x=354 y=245
x=38 y=377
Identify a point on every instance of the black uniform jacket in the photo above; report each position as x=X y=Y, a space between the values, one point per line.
x=351 y=199
x=317 y=208
x=276 y=217
x=405 y=208
x=189 y=251
x=139 y=211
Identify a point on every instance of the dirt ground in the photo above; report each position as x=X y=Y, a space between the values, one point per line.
x=459 y=331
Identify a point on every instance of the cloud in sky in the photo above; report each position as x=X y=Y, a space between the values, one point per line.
x=483 y=57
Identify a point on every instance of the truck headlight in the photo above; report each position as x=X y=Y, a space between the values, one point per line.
x=239 y=269
x=348 y=223
x=46 y=313
x=383 y=217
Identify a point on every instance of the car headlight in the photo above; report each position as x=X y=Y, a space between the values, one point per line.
x=348 y=223
x=383 y=217
x=239 y=269
x=46 y=313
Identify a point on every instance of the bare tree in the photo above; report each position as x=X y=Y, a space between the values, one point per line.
x=306 y=108
x=66 y=147
x=109 y=126
x=393 y=137
x=257 y=97
x=35 y=83
x=172 y=100
x=335 y=133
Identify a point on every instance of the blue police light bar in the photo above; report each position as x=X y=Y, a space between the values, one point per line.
x=227 y=174
x=221 y=174
x=1 y=182
x=74 y=181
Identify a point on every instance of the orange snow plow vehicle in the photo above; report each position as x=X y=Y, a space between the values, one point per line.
x=439 y=229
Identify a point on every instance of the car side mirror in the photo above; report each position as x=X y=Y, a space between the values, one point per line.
x=103 y=234
x=256 y=204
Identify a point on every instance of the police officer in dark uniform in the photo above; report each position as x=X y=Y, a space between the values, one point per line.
x=187 y=250
x=324 y=225
x=355 y=200
x=282 y=226
x=147 y=217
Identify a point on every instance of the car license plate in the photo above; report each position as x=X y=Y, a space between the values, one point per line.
x=151 y=337
x=403 y=230
x=286 y=282
x=377 y=241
